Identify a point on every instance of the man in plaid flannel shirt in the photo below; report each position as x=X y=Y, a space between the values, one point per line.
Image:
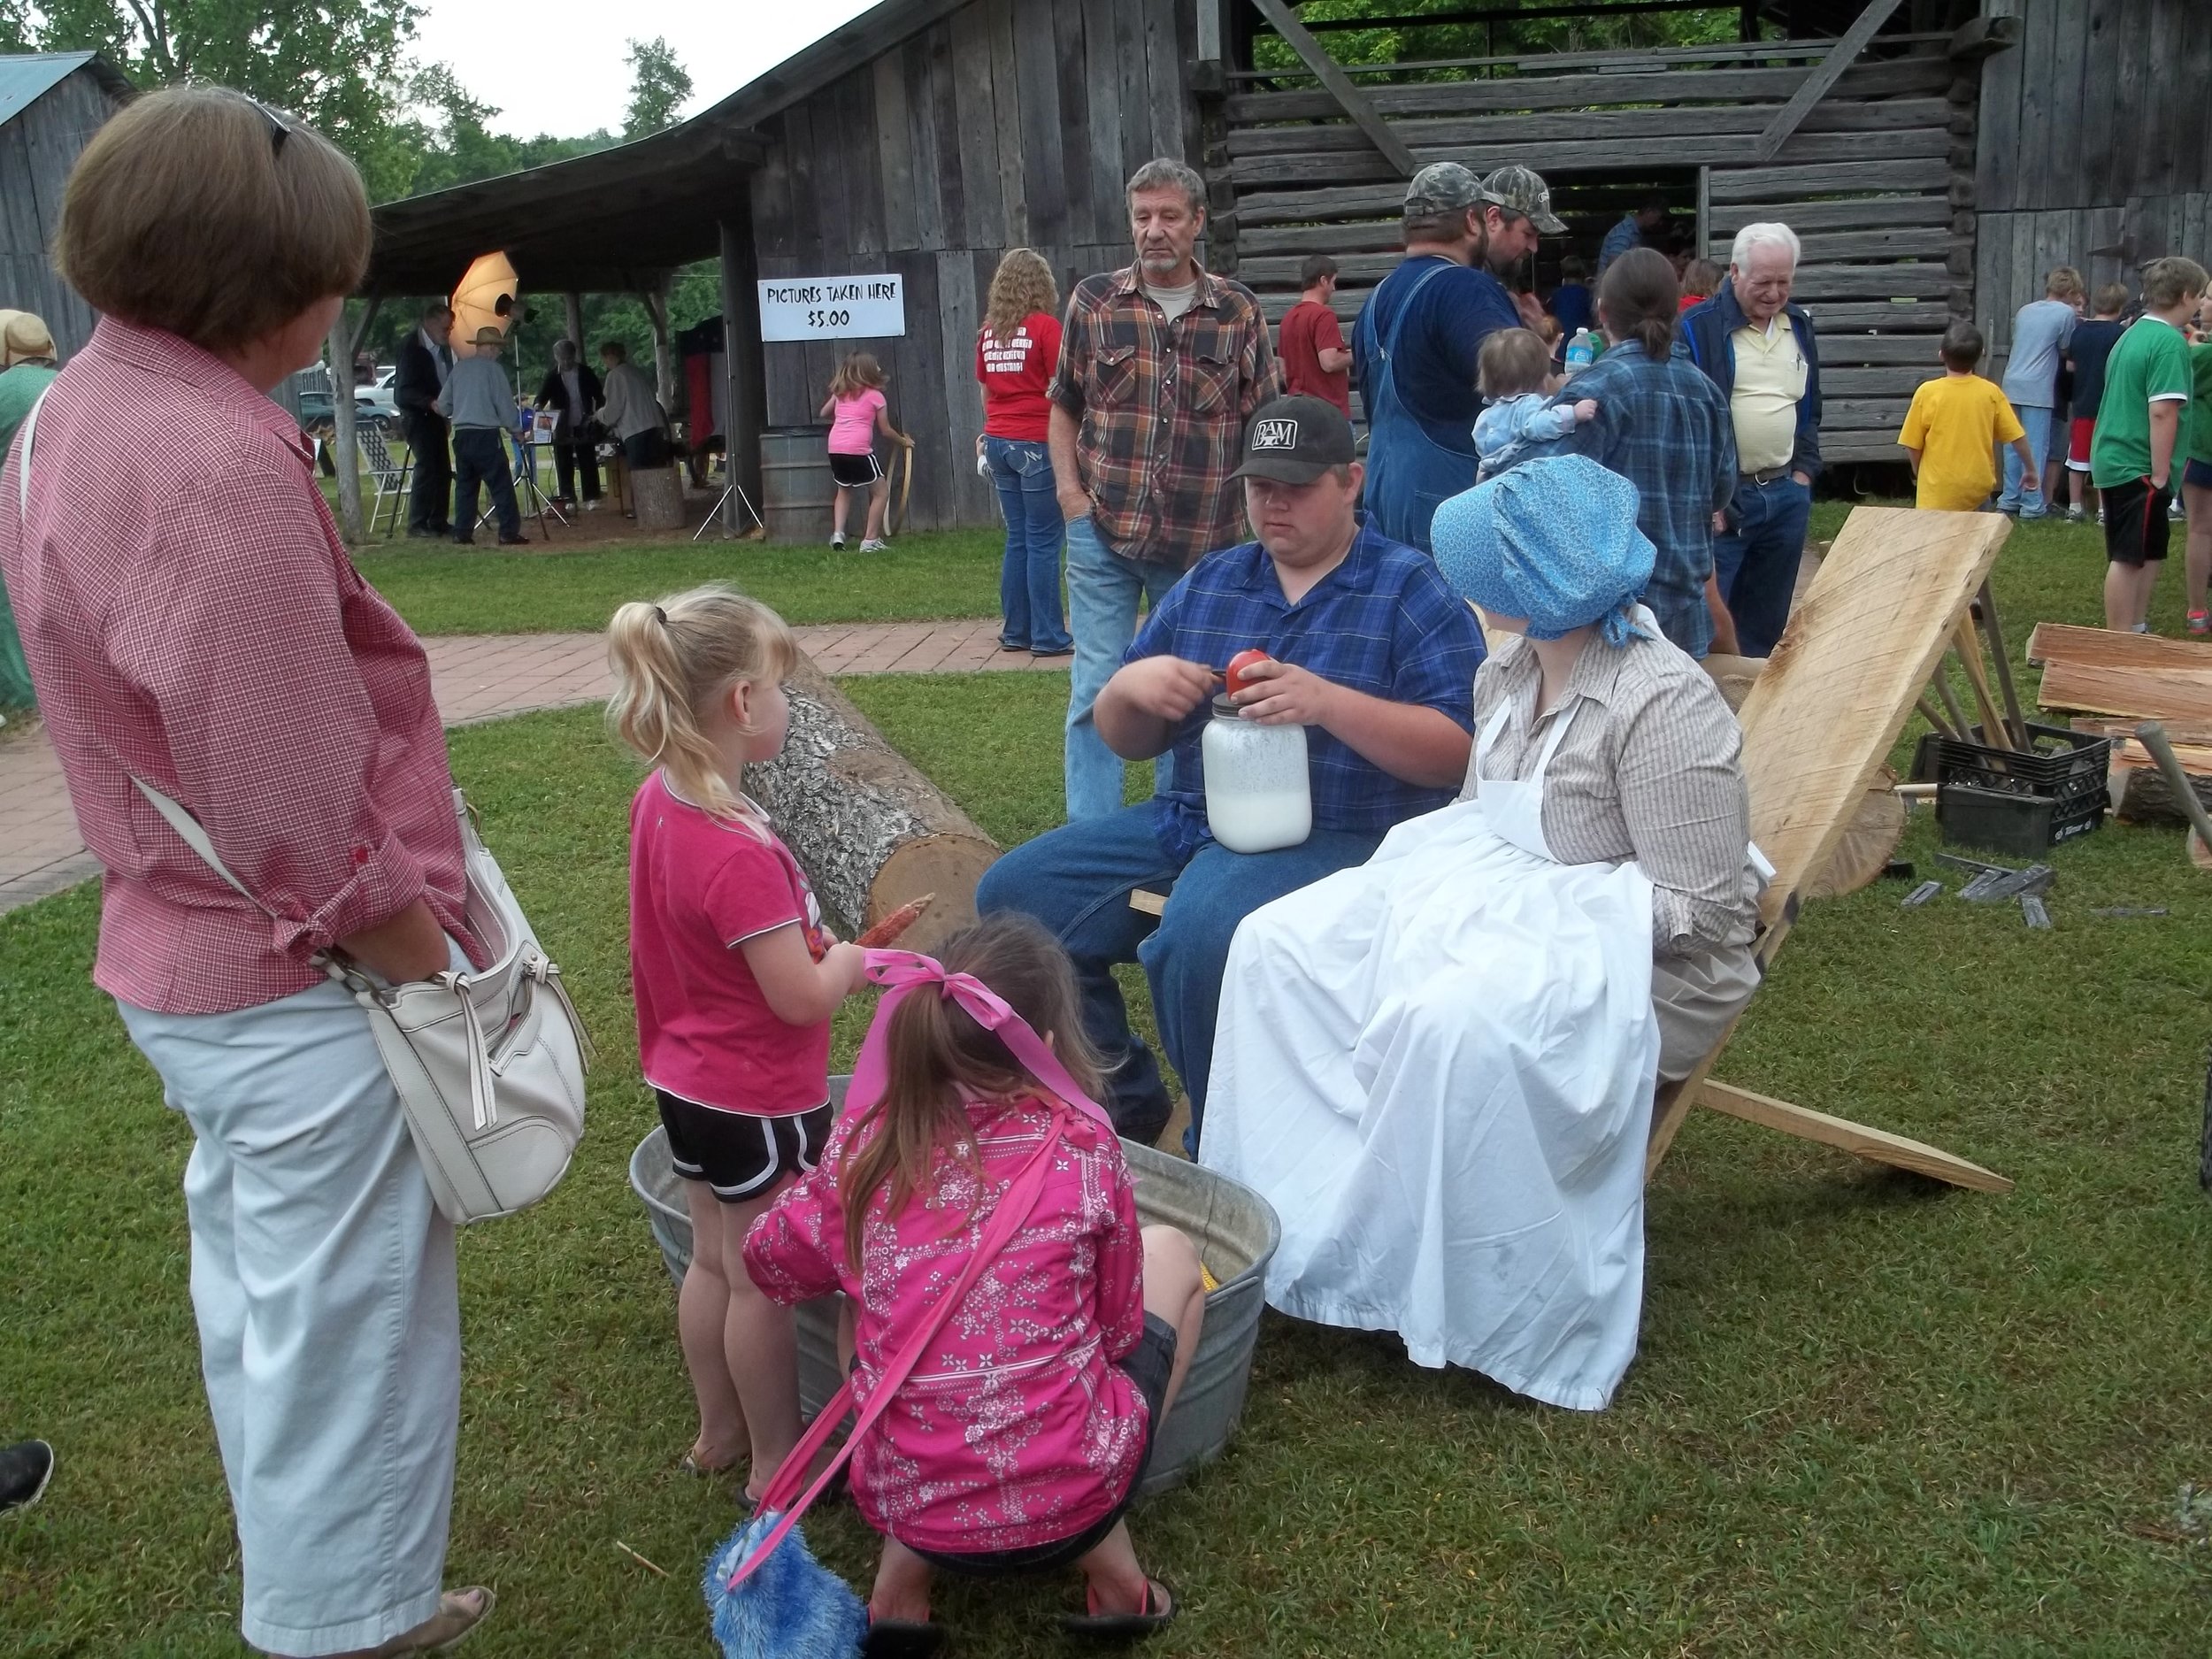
x=1161 y=364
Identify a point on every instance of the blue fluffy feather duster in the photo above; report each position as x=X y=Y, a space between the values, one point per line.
x=791 y=1608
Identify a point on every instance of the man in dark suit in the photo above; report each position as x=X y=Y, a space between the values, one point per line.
x=571 y=387
x=426 y=357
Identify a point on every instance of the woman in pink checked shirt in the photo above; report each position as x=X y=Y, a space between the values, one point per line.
x=193 y=623
x=1017 y=1443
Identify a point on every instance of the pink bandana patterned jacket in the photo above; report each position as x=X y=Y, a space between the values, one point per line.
x=1019 y=1430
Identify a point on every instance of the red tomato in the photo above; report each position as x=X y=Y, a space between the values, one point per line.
x=1239 y=667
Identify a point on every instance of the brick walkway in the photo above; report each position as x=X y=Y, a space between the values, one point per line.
x=484 y=677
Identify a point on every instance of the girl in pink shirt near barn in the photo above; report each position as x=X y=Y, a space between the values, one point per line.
x=1019 y=1441
x=735 y=979
x=856 y=410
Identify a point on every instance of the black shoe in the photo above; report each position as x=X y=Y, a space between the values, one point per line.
x=1054 y=650
x=514 y=541
x=418 y=533
x=25 y=1469
x=442 y=529
x=464 y=540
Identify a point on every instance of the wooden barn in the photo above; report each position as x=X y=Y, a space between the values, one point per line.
x=50 y=105
x=1936 y=159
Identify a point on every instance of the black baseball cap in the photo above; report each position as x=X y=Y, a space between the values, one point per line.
x=1295 y=439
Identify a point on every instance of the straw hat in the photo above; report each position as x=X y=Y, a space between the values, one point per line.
x=24 y=338
x=489 y=335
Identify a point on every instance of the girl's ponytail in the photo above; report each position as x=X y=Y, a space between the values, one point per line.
x=674 y=659
x=936 y=1054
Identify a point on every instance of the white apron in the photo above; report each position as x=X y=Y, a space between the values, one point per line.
x=1438 y=1068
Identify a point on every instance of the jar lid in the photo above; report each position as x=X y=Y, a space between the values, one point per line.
x=1225 y=709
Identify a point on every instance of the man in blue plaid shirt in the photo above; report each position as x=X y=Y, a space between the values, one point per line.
x=1372 y=654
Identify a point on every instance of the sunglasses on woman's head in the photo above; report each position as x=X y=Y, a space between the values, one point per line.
x=280 y=129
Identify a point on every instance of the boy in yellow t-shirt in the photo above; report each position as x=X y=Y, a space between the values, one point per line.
x=1954 y=427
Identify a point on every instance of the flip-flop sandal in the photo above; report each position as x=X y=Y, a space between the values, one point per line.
x=1127 y=1626
x=902 y=1638
x=692 y=1466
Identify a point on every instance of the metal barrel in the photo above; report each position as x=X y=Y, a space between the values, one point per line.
x=795 y=486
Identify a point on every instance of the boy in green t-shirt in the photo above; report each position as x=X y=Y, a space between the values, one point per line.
x=2196 y=478
x=2147 y=382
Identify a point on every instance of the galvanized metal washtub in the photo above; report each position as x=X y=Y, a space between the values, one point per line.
x=1236 y=1231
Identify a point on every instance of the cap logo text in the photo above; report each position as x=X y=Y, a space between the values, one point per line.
x=1275 y=435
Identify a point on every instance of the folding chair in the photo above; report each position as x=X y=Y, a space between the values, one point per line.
x=390 y=477
x=1863 y=642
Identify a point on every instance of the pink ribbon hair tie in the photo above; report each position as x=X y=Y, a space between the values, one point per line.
x=901 y=973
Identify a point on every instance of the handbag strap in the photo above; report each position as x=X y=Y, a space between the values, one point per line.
x=1013 y=1209
x=187 y=826
x=23 y=468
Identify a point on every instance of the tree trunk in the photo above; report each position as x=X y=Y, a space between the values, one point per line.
x=346 y=454
x=871 y=831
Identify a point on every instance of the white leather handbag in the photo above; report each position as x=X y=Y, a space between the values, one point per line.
x=489 y=1067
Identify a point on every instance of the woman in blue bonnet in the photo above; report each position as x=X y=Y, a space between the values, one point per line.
x=1440 y=1066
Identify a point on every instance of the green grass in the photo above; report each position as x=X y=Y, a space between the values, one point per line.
x=1869 y=1416
x=924 y=577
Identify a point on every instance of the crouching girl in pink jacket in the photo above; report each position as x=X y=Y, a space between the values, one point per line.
x=1017 y=1443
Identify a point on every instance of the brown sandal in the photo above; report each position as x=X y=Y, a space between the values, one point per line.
x=454 y=1619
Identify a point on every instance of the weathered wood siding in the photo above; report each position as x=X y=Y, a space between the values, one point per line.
x=37 y=149
x=2096 y=134
x=1010 y=123
x=1877 y=179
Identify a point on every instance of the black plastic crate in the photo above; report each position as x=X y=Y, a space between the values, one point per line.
x=2014 y=821
x=2058 y=763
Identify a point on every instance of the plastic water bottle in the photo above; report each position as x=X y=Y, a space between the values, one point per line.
x=1582 y=352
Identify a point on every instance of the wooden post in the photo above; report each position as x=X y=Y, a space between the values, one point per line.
x=748 y=397
x=1705 y=212
x=575 y=306
x=344 y=454
x=663 y=362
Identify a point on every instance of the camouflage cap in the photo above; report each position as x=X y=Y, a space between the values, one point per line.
x=1440 y=187
x=1523 y=190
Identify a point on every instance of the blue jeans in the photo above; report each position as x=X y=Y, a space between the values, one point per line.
x=1077 y=880
x=1755 y=558
x=1029 y=576
x=480 y=456
x=2023 y=494
x=1103 y=588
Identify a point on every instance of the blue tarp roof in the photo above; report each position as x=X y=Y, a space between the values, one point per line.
x=26 y=77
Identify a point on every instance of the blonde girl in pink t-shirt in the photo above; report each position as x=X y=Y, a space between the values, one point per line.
x=735 y=979
x=856 y=410
x=1017 y=1443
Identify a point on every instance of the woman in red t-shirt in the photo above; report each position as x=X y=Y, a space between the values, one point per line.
x=1015 y=353
x=735 y=979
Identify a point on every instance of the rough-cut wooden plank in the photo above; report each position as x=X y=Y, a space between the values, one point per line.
x=1822 y=79
x=1006 y=121
x=871 y=832
x=930 y=218
x=895 y=155
x=1165 y=68
x=1331 y=76
x=1903 y=78
x=1850 y=213
x=1068 y=144
x=1867 y=349
x=1765 y=184
x=1042 y=139
x=870 y=213
x=952 y=143
x=1832 y=317
x=1861 y=643
x=1136 y=87
x=1924 y=280
x=1914 y=146
x=1677 y=122
x=978 y=127
x=959 y=316
x=2062 y=642
x=1877 y=1145
x=1895 y=380
x=2140 y=676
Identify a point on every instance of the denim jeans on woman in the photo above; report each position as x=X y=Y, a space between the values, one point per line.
x=1029 y=577
x=330 y=1324
x=1103 y=590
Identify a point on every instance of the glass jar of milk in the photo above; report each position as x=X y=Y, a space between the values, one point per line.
x=1259 y=796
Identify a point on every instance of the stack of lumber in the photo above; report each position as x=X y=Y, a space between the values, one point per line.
x=2109 y=682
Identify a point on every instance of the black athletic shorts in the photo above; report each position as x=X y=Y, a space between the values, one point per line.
x=855 y=471
x=742 y=1157
x=1148 y=1365
x=2135 y=522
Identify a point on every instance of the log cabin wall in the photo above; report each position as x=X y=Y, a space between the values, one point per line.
x=1878 y=181
x=1007 y=123
x=2096 y=135
x=39 y=144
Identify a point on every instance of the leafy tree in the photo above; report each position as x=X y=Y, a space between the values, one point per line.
x=658 y=87
x=1407 y=43
x=336 y=62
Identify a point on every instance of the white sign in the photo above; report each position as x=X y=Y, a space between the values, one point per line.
x=832 y=308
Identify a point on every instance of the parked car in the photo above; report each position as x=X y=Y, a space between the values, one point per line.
x=376 y=402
